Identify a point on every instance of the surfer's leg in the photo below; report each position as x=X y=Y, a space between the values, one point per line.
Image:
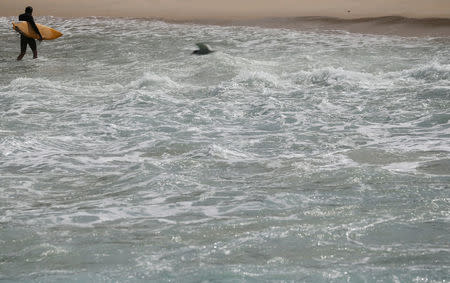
x=23 y=47
x=33 y=47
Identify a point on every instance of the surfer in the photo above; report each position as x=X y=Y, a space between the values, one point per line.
x=24 y=41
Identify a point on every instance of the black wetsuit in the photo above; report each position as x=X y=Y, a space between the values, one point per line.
x=24 y=41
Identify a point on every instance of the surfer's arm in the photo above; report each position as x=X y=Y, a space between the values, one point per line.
x=33 y=25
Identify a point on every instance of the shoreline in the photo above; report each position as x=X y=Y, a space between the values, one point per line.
x=387 y=25
x=398 y=17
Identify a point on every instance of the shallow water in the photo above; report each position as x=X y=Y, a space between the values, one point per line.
x=284 y=156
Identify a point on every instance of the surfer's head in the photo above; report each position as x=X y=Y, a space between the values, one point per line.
x=29 y=10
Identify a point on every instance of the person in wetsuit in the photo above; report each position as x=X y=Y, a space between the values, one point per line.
x=24 y=41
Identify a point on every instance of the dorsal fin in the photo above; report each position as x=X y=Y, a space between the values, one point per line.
x=203 y=47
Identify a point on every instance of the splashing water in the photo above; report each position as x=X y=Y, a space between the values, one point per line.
x=284 y=156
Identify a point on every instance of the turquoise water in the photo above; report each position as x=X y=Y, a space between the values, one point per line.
x=317 y=156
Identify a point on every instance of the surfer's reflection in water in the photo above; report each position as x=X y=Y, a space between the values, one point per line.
x=24 y=41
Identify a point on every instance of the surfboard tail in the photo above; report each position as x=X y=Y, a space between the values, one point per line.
x=16 y=28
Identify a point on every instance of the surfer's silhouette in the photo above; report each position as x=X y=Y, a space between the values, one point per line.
x=203 y=49
x=24 y=41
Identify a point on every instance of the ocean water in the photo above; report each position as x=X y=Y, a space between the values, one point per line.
x=286 y=155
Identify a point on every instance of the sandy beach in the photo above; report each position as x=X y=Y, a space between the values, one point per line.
x=231 y=9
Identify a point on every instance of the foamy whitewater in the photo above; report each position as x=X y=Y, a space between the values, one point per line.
x=286 y=155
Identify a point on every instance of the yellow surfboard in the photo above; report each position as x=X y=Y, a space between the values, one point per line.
x=25 y=28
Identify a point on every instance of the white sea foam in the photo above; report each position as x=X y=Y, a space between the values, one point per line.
x=281 y=154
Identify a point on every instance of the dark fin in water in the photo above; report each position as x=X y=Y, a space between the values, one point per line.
x=203 y=49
